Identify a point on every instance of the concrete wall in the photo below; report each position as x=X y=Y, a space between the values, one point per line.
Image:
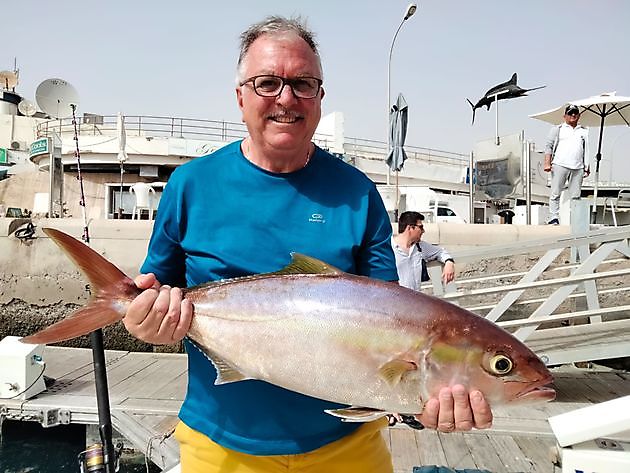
x=39 y=284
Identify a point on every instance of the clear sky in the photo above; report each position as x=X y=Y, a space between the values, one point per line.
x=178 y=59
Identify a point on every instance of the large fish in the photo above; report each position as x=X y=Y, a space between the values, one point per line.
x=372 y=345
x=502 y=91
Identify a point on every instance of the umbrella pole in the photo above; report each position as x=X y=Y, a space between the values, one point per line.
x=598 y=158
x=120 y=202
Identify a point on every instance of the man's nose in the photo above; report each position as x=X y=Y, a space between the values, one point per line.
x=286 y=94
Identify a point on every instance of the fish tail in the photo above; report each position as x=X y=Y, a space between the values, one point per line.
x=111 y=291
x=473 y=109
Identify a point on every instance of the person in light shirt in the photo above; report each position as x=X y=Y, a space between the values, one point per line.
x=565 y=157
x=412 y=253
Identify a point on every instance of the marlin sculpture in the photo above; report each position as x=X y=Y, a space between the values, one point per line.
x=505 y=90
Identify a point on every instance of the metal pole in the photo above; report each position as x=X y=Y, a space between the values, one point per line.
x=96 y=339
x=496 y=120
x=528 y=182
x=411 y=9
x=471 y=188
x=598 y=158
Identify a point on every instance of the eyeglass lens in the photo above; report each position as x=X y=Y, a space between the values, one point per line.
x=271 y=86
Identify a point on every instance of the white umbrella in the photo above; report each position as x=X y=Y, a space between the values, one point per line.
x=122 y=156
x=602 y=110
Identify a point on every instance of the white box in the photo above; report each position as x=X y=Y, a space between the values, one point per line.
x=21 y=369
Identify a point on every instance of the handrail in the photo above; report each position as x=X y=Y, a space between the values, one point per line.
x=505 y=297
x=222 y=130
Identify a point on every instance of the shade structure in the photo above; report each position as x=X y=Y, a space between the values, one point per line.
x=607 y=109
x=398 y=117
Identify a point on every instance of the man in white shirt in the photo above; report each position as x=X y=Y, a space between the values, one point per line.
x=412 y=253
x=565 y=157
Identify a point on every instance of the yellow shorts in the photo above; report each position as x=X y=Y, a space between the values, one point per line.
x=363 y=451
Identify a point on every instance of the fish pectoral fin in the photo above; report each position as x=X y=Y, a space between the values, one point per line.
x=302 y=264
x=226 y=373
x=393 y=371
x=357 y=413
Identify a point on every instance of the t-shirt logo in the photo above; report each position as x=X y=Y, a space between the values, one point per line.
x=317 y=218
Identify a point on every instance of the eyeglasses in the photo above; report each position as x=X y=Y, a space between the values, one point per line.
x=574 y=114
x=272 y=86
x=416 y=225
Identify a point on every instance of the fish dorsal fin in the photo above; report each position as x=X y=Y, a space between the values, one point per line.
x=226 y=373
x=393 y=371
x=357 y=413
x=302 y=264
x=513 y=79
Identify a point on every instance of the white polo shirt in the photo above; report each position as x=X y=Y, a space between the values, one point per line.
x=572 y=150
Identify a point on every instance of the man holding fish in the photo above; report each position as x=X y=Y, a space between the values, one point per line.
x=287 y=195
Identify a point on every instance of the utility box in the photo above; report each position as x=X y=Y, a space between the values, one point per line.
x=21 y=369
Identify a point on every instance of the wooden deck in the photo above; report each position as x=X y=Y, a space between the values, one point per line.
x=146 y=390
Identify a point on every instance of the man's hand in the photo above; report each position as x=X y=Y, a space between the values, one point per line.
x=587 y=171
x=159 y=315
x=448 y=272
x=547 y=166
x=456 y=410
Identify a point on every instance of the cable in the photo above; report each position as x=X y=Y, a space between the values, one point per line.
x=43 y=363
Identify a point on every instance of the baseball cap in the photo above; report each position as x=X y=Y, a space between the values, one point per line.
x=571 y=109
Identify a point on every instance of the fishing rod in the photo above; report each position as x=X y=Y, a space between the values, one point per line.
x=105 y=455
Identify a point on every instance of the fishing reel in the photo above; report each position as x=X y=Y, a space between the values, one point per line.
x=92 y=459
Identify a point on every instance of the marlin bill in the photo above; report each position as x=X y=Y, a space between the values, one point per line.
x=374 y=346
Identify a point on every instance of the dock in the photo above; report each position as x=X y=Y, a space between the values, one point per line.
x=146 y=390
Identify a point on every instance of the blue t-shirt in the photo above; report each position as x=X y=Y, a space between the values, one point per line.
x=223 y=217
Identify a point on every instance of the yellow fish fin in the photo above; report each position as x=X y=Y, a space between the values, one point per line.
x=357 y=413
x=302 y=264
x=393 y=371
x=226 y=373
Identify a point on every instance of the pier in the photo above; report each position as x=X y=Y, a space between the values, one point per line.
x=146 y=390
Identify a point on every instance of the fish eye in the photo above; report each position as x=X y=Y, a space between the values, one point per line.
x=501 y=364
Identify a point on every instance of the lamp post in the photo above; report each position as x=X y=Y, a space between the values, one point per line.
x=411 y=9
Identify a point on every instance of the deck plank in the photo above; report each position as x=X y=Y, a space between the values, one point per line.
x=147 y=390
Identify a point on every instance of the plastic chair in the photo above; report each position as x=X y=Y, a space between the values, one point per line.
x=144 y=194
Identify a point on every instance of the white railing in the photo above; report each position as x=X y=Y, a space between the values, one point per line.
x=566 y=312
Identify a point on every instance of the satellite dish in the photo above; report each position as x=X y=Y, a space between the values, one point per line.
x=56 y=97
x=27 y=108
x=8 y=80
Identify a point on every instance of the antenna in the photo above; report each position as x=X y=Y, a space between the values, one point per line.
x=8 y=80
x=27 y=108
x=56 y=97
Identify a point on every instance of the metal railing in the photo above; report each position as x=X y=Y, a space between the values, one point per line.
x=543 y=306
x=226 y=131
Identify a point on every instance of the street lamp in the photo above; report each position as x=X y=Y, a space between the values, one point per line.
x=411 y=9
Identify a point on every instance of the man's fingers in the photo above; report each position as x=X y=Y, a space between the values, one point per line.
x=146 y=281
x=481 y=410
x=464 y=419
x=169 y=322
x=140 y=307
x=185 y=318
x=446 y=416
x=429 y=416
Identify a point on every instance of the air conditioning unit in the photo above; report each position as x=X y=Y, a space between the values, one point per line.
x=92 y=119
x=18 y=145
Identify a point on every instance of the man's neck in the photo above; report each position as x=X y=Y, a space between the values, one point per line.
x=278 y=162
x=404 y=241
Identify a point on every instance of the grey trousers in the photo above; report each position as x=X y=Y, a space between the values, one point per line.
x=559 y=177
